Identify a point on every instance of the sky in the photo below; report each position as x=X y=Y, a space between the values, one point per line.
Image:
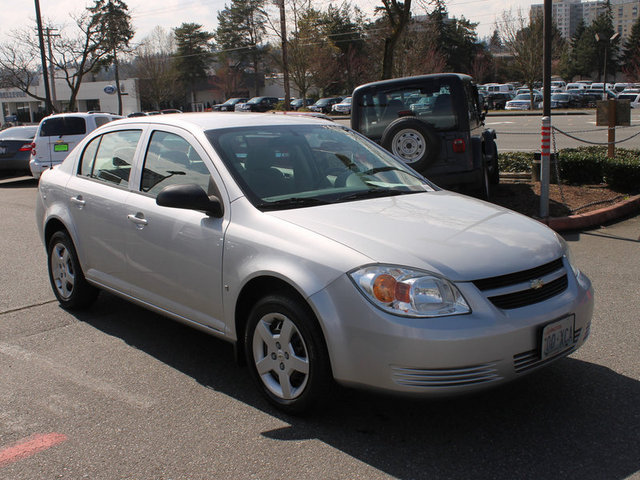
x=171 y=13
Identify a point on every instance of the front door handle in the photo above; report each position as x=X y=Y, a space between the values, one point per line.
x=138 y=219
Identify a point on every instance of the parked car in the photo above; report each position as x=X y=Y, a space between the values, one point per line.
x=434 y=123
x=318 y=254
x=229 y=105
x=522 y=101
x=324 y=105
x=565 y=100
x=298 y=103
x=257 y=104
x=15 y=149
x=58 y=134
x=634 y=98
x=342 y=108
x=497 y=100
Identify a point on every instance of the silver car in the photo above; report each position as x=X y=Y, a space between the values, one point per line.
x=317 y=253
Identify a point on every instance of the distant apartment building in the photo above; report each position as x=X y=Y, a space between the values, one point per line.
x=567 y=14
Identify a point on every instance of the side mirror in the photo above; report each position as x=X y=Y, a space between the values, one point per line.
x=190 y=197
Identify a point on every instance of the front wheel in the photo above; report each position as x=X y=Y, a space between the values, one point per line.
x=286 y=353
x=65 y=274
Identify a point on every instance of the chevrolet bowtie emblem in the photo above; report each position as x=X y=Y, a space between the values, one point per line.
x=537 y=283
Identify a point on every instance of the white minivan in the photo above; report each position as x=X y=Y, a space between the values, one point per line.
x=57 y=135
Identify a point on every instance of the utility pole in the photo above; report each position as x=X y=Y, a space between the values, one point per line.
x=545 y=151
x=43 y=57
x=52 y=68
x=285 y=61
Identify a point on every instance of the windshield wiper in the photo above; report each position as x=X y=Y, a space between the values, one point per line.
x=375 y=193
x=293 y=202
x=390 y=168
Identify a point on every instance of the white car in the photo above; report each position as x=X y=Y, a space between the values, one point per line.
x=633 y=97
x=317 y=253
x=58 y=134
x=523 y=102
x=343 y=108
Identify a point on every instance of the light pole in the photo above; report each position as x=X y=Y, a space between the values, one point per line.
x=607 y=42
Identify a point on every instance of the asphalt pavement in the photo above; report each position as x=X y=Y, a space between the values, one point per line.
x=117 y=392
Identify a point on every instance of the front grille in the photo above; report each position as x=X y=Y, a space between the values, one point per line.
x=531 y=359
x=445 y=377
x=530 y=296
x=518 y=277
x=522 y=293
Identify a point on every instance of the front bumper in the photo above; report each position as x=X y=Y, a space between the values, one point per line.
x=446 y=355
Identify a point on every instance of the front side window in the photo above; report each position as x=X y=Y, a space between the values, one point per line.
x=172 y=160
x=109 y=157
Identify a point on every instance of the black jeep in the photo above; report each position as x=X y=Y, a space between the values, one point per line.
x=434 y=123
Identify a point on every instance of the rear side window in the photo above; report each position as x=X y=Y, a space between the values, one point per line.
x=102 y=121
x=59 y=126
x=108 y=158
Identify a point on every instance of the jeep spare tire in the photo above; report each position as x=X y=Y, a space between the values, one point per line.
x=413 y=141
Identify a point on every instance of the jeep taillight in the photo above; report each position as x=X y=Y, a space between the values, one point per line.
x=459 y=146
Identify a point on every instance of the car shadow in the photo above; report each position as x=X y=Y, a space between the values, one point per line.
x=18 y=182
x=574 y=419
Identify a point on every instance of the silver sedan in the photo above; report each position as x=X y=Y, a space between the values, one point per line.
x=317 y=253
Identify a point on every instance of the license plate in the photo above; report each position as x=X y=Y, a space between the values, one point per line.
x=61 y=147
x=557 y=337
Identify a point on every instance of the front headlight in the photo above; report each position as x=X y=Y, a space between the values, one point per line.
x=569 y=256
x=410 y=293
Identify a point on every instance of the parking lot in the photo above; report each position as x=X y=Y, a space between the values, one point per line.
x=117 y=392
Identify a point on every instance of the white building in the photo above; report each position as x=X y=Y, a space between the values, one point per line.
x=16 y=105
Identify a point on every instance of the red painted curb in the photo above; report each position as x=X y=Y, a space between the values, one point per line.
x=594 y=218
x=30 y=446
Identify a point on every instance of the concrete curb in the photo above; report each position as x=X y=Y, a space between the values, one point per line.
x=594 y=218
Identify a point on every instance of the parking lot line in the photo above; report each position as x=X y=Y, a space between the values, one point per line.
x=30 y=446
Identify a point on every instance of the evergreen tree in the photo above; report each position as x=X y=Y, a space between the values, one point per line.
x=631 y=54
x=115 y=30
x=240 y=35
x=605 y=48
x=193 y=54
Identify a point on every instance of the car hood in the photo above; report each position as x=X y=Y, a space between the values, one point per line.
x=443 y=232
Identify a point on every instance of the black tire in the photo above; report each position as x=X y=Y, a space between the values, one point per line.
x=65 y=274
x=413 y=141
x=494 y=177
x=292 y=371
x=484 y=188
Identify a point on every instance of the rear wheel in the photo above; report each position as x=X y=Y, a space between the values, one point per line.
x=286 y=353
x=66 y=276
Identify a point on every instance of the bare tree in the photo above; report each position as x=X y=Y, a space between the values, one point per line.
x=159 y=82
x=398 y=15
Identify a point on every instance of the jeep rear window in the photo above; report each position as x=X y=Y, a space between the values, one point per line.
x=57 y=127
x=432 y=102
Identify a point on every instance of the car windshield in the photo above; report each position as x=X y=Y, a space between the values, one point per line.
x=255 y=100
x=18 y=133
x=323 y=101
x=231 y=101
x=283 y=167
x=523 y=96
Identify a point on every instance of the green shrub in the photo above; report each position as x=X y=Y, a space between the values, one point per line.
x=585 y=166
x=515 y=161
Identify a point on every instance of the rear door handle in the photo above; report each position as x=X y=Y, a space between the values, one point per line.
x=78 y=201
x=138 y=219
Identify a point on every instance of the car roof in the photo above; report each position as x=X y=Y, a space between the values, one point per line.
x=411 y=80
x=215 y=120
